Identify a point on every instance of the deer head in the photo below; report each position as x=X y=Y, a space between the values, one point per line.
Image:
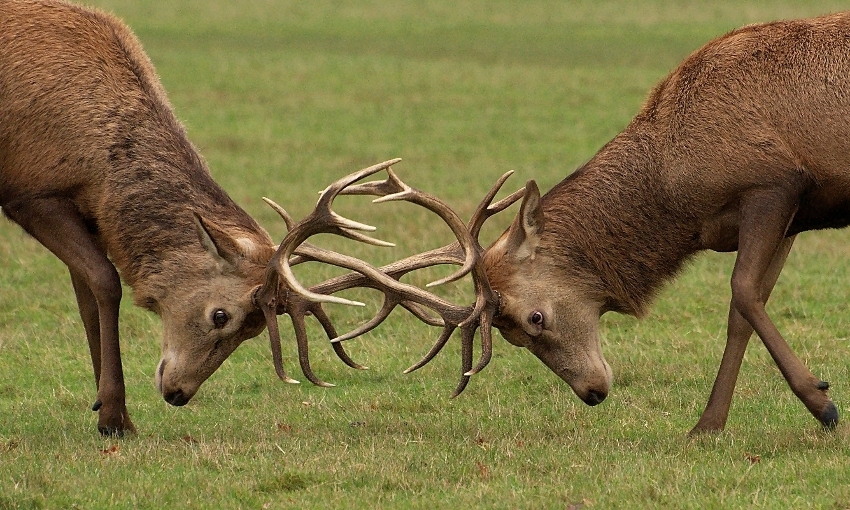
x=548 y=307
x=204 y=324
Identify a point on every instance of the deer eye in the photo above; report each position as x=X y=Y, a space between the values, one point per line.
x=220 y=318
x=536 y=318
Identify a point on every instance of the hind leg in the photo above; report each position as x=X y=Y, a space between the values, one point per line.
x=765 y=216
x=738 y=333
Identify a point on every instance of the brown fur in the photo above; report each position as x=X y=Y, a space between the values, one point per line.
x=90 y=150
x=743 y=145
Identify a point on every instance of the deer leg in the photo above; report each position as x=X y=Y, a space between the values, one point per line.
x=738 y=333
x=87 y=304
x=57 y=225
x=764 y=220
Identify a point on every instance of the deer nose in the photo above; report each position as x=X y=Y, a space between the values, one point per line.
x=176 y=398
x=594 y=397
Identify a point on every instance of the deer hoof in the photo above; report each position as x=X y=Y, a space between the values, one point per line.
x=829 y=416
x=125 y=429
x=111 y=431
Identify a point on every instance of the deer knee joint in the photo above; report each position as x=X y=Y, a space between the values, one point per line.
x=745 y=294
x=105 y=284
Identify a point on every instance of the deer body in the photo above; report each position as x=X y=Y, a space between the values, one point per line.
x=95 y=166
x=744 y=145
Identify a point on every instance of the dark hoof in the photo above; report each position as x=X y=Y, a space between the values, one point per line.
x=704 y=432
x=829 y=416
x=110 y=431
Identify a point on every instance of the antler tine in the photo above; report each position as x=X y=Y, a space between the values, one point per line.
x=299 y=256
x=506 y=202
x=422 y=314
x=319 y=312
x=435 y=349
x=338 y=186
x=467 y=337
x=287 y=219
x=393 y=189
x=485 y=209
x=485 y=308
x=266 y=298
x=297 y=312
x=388 y=306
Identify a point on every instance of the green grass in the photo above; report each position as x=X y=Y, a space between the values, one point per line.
x=283 y=97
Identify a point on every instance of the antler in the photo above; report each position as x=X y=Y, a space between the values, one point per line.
x=275 y=297
x=466 y=252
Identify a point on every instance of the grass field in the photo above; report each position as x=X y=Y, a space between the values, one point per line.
x=283 y=97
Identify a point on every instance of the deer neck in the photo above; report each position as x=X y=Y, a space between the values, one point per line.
x=156 y=183
x=612 y=220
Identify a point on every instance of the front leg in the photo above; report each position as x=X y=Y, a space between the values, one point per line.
x=56 y=224
x=764 y=220
x=108 y=422
x=87 y=305
x=738 y=333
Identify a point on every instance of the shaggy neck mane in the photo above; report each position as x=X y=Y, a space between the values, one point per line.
x=157 y=180
x=612 y=219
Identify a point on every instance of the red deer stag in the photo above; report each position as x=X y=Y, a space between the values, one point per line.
x=95 y=166
x=742 y=147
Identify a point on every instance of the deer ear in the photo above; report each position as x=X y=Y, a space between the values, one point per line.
x=524 y=233
x=218 y=243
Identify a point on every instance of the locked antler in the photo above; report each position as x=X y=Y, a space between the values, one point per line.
x=431 y=309
x=275 y=297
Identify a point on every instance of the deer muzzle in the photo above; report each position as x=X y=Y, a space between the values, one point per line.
x=174 y=394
